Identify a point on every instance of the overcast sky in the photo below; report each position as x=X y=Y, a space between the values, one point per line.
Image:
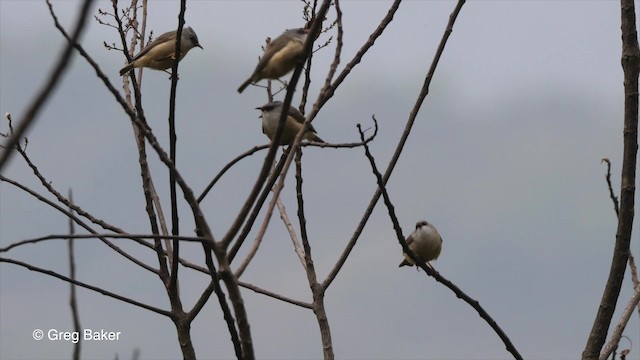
x=504 y=159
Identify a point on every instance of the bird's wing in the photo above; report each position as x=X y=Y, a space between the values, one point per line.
x=410 y=239
x=171 y=35
x=273 y=47
x=296 y=114
x=299 y=118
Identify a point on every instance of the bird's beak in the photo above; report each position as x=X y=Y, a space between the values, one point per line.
x=200 y=46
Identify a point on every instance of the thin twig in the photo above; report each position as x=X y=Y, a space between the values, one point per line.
x=274 y=295
x=258 y=239
x=612 y=194
x=43 y=95
x=135 y=237
x=73 y=300
x=81 y=223
x=251 y=218
x=339 y=43
x=228 y=166
x=87 y=286
x=297 y=245
x=329 y=88
x=255 y=149
x=622 y=324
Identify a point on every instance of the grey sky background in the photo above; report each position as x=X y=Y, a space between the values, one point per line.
x=504 y=159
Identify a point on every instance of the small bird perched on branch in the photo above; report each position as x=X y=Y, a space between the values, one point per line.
x=425 y=242
x=271 y=116
x=160 y=53
x=280 y=56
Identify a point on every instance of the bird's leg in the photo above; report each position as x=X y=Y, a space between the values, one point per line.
x=431 y=266
x=171 y=75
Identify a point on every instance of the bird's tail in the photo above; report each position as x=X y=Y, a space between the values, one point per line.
x=313 y=137
x=126 y=69
x=404 y=263
x=245 y=84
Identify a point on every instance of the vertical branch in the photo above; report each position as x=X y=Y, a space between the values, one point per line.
x=152 y=190
x=150 y=195
x=72 y=275
x=339 y=43
x=631 y=68
x=632 y=264
x=317 y=290
x=175 y=230
x=228 y=316
x=244 y=329
x=307 y=71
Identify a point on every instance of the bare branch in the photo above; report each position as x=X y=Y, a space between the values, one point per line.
x=135 y=237
x=73 y=301
x=86 y=286
x=612 y=194
x=274 y=295
x=622 y=324
x=327 y=90
x=241 y=344
x=339 y=43
x=81 y=223
x=258 y=240
x=297 y=245
x=245 y=154
x=56 y=74
x=251 y=218
x=405 y=135
x=429 y=270
x=316 y=288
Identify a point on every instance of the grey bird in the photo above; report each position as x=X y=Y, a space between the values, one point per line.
x=279 y=57
x=425 y=242
x=160 y=53
x=271 y=116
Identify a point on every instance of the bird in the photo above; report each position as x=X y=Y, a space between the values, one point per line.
x=425 y=242
x=271 y=116
x=160 y=53
x=280 y=56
